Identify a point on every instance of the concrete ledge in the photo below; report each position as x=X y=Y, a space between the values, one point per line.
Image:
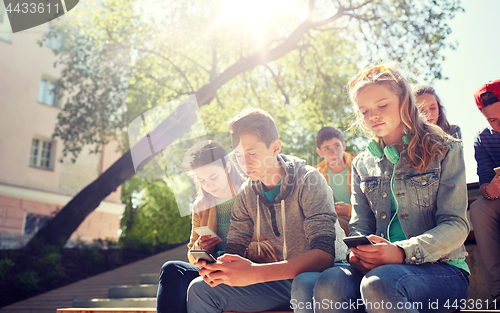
x=106 y=310
x=42 y=196
x=115 y=303
x=150 y=279
x=133 y=291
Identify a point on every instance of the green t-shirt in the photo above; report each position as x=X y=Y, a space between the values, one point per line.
x=271 y=194
x=395 y=230
x=340 y=188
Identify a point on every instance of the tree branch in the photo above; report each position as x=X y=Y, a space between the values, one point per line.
x=287 y=100
x=172 y=63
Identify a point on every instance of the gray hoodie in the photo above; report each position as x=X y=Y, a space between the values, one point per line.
x=305 y=199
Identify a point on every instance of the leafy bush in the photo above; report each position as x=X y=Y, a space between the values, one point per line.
x=28 y=281
x=107 y=243
x=92 y=254
x=151 y=218
x=6 y=265
x=48 y=265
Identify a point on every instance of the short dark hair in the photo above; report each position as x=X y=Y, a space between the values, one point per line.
x=327 y=133
x=489 y=98
x=254 y=121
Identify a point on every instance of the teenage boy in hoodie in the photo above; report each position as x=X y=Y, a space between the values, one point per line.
x=290 y=204
x=336 y=168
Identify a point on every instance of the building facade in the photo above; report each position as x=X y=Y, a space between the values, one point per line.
x=34 y=184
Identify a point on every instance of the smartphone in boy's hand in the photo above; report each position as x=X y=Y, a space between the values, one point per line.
x=497 y=170
x=354 y=241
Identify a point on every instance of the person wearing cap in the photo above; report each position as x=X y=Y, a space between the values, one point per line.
x=485 y=212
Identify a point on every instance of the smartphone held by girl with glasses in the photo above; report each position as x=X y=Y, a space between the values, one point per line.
x=409 y=196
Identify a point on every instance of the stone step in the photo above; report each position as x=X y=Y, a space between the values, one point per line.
x=133 y=291
x=149 y=279
x=131 y=310
x=115 y=303
x=106 y=310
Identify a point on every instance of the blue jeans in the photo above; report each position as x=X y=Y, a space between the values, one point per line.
x=273 y=295
x=302 y=292
x=175 y=277
x=427 y=287
x=485 y=217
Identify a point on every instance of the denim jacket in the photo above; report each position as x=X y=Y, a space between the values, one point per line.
x=431 y=204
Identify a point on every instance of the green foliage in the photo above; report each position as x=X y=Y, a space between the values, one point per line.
x=48 y=265
x=6 y=266
x=91 y=253
x=151 y=217
x=107 y=243
x=119 y=62
x=28 y=281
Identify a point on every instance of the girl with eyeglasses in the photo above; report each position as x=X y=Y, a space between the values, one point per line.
x=430 y=105
x=409 y=197
x=217 y=182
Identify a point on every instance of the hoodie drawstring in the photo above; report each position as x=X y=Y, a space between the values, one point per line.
x=258 y=226
x=283 y=221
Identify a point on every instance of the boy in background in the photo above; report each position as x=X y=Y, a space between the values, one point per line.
x=336 y=168
x=485 y=211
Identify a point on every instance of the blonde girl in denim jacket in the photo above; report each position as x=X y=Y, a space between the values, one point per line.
x=409 y=197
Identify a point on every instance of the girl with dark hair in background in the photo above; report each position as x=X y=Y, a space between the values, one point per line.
x=217 y=182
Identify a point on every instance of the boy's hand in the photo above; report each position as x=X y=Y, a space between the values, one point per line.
x=205 y=242
x=493 y=189
x=382 y=252
x=230 y=269
x=356 y=264
x=341 y=208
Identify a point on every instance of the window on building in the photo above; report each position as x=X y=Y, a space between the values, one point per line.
x=34 y=222
x=53 y=40
x=41 y=153
x=47 y=93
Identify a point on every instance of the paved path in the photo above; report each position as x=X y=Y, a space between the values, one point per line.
x=97 y=286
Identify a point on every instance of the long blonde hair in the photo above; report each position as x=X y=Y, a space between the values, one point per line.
x=207 y=152
x=427 y=140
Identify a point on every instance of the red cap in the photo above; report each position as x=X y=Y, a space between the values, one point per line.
x=491 y=86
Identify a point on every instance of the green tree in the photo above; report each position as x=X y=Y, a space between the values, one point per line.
x=151 y=217
x=117 y=64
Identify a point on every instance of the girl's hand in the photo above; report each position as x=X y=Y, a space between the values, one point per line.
x=380 y=253
x=341 y=208
x=205 y=243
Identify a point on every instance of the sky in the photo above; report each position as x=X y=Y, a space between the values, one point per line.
x=475 y=62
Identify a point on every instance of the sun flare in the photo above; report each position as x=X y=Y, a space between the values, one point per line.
x=257 y=13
